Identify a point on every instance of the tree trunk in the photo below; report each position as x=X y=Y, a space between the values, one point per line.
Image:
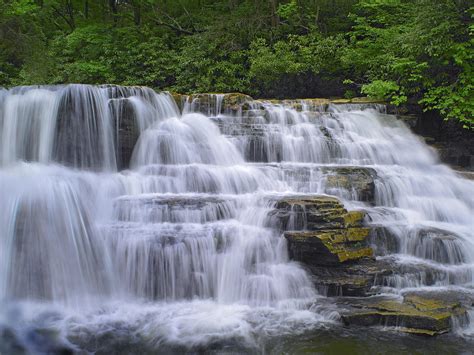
x=137 y=14
x=86 y=8
x=274 y=16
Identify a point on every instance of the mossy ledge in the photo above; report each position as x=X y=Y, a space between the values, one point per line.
x=415 y=314
x=235 y=101
x=320 y=231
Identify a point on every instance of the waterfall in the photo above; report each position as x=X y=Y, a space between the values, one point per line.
x=120 y=212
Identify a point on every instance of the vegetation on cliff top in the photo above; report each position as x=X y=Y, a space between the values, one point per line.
x=401 y=50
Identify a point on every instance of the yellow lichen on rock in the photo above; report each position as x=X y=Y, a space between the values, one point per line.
x=416 y=314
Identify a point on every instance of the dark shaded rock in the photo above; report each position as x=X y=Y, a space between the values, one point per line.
x=467 y=174
x=349 y=279
x=422 y=241
x=214 y=103
x=358 y=181
x=9 y=342
x=383 y=241
x=80 y=128
x=179 y=99
x=174 y=209
x=128 y=132
x=448 y=137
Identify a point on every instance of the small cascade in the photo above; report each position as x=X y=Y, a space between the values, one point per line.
x=208 y=104
x=78 y=125
x=120 y=212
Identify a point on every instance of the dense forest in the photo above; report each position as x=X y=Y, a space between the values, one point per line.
x=416 y=51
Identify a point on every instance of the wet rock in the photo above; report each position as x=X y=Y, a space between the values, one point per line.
x=179 y=99
x=235 y=101
x=467 y=174
x=320 y=231
x=213 y=103
x=366 y=100
x=124 y=115
x=351 y=182
x=383 y=241
x=322 y=104
x=317 y=104
x=174 y=209
x=329 y=247
x=314 y=213
x=357 y=181
x=9 y=342
x=349 y=279
x=422 y=241
x=410 y=120
x=416 y=314
x=415 y=274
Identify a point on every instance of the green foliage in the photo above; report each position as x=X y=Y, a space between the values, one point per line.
x=20 y=7
x=414 y=50
x=288 y=11
x=403 y=51
x=203 y=66
x=380 y=89
x=455 y=100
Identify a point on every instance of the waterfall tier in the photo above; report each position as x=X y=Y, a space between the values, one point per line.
x=129 y=211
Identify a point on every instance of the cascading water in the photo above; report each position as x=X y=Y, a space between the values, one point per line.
x=180 y=250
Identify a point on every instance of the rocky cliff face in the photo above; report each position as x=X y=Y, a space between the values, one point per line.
x=453 y=143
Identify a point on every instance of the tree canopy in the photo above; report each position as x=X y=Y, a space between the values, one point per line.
x=399 y=50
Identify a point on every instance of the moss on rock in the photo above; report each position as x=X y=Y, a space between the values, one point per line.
x=416 y=314
x=315 y=213
x=329 y=247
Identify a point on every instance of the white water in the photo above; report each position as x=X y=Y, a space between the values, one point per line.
x=179 y=249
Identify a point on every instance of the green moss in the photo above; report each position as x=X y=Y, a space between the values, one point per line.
x=341 y=101
x=351 y=255
x=338 y=236
x=353 y=218
x=235 y=99
x=343 y=244
x=180 y=99
x=416 y=314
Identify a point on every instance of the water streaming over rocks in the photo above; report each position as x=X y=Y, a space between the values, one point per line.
x=123 y=218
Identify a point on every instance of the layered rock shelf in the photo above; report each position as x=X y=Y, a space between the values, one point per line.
x=415 y=314
x=335 y=246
